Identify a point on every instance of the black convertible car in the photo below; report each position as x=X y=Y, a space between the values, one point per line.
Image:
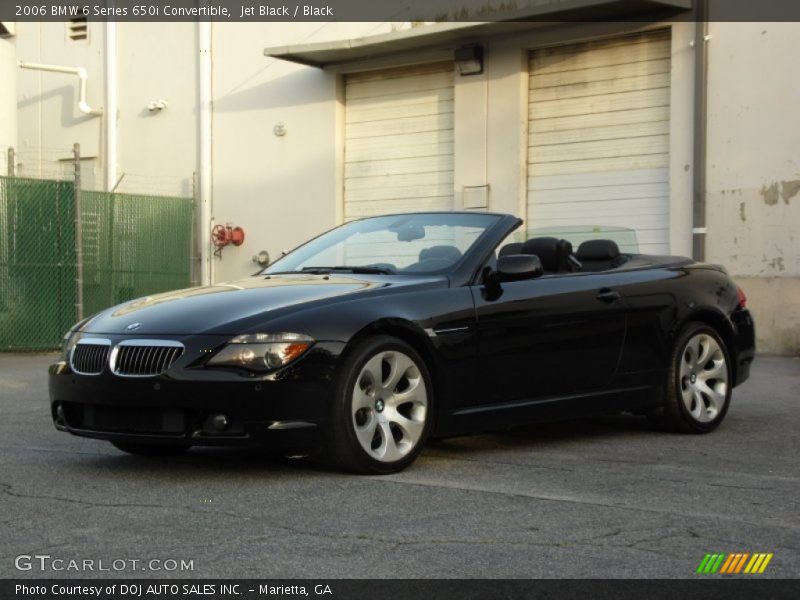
x=378 y=334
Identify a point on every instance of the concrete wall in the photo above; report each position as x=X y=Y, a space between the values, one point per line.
x=753 y=171
x=8 y=97
x=281 y=189
x=47 y=110
x=157 y=149
x=284 y=189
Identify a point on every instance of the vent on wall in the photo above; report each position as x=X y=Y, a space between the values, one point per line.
x=78 y=29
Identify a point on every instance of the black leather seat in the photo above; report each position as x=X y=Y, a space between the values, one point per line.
x=448 y=253
x=547 y=249
x=599 y=255
x=512 y=248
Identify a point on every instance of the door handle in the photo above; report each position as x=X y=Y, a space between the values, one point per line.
x=608 y=295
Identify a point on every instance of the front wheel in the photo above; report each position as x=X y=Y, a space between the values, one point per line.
x=698 y=388
x=382 y=410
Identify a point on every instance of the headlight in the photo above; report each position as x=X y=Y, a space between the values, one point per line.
x=261 y=352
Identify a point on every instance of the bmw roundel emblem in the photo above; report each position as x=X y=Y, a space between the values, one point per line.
x=133 y=326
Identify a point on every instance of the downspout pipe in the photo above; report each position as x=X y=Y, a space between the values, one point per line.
x=83 y=77
x=205 y=159
x=111 y=105
x=700 y=131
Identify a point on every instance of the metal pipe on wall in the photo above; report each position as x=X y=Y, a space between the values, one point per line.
x=83 y=77
x=700 y=131
x=205 y=132
x=111 y=105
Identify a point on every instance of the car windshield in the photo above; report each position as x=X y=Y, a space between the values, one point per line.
x=401 y=244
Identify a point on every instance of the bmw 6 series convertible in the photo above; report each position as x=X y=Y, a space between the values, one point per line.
x=377 y=335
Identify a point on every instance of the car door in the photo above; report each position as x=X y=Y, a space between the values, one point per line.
x=556 y=335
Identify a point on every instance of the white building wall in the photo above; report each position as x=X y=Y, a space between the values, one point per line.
x=281 y=189
x=8 y=97
x=285 y=189
x=49 y=120
x=753 y=171
x=157 y=150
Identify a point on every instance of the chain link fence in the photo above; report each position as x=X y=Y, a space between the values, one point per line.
x=58 y=262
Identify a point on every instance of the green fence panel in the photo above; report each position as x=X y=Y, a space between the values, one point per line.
x=37 y=262
x=133 y=245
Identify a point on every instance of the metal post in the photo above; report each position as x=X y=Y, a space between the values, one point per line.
x=11 y=162
x=76 y=150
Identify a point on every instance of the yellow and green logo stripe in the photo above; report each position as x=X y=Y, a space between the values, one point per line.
x=734 y=563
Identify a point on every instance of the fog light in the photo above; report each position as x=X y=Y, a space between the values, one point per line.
x=60 y=418
x=219 y=422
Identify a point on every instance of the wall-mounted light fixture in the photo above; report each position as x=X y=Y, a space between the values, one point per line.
x=469 y=60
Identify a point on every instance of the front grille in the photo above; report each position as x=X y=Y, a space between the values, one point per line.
x=144 y=358
x=89 y=357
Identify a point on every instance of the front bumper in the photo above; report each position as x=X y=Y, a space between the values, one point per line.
x=287 y=409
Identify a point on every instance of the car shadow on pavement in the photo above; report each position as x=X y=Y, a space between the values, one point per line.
x=551 y=435
x=257 y=462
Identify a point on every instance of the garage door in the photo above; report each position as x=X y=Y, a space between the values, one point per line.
x=598 y=148
x=398 y=140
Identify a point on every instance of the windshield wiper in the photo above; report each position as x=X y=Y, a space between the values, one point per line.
x=365 y=270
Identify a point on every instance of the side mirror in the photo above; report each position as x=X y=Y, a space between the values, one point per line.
x=514 y=267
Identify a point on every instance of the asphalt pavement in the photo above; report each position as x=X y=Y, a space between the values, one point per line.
x=606 y=498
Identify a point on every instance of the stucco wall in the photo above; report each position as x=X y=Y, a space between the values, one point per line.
x=753 y=172
x=281 y=189
x=157 y=149
x=284 y=189
x=8 y=97
x=47 y=110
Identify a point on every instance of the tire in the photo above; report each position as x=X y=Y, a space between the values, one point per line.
x=382 y=408
x=699 y=382
x=150 y=449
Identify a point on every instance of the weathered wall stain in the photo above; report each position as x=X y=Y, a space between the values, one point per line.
x=741 y=212
x=789 y=189
x=770 y=194
x=776 y=264
x=786 y=190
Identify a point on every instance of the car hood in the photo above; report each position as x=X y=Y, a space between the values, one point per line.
x=231 y=308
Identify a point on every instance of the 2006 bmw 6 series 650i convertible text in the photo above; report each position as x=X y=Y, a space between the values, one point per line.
x=385 y=331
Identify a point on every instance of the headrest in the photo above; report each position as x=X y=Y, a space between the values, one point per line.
x=598 y=250
x=441 y=252
x=546 y=248
x=512 y=248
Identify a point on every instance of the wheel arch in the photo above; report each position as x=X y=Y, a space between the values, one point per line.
x=719 y=323
x=415 y=337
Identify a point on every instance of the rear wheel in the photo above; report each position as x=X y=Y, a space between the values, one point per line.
x=698 y=387
x=382 y=411
x=150 y=449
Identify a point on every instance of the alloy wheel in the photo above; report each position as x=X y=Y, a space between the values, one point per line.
x=703 y=378
x=389 y=406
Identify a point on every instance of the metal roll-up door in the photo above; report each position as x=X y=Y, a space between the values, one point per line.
x=398 y=140
x=598 y=148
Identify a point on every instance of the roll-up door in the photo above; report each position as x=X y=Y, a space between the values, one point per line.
x=398 y=140
x=598 y=148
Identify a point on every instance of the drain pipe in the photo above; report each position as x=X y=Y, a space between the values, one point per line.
x=111 y=105
x=700 y=131
x=205 y=175
x=83 y=77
